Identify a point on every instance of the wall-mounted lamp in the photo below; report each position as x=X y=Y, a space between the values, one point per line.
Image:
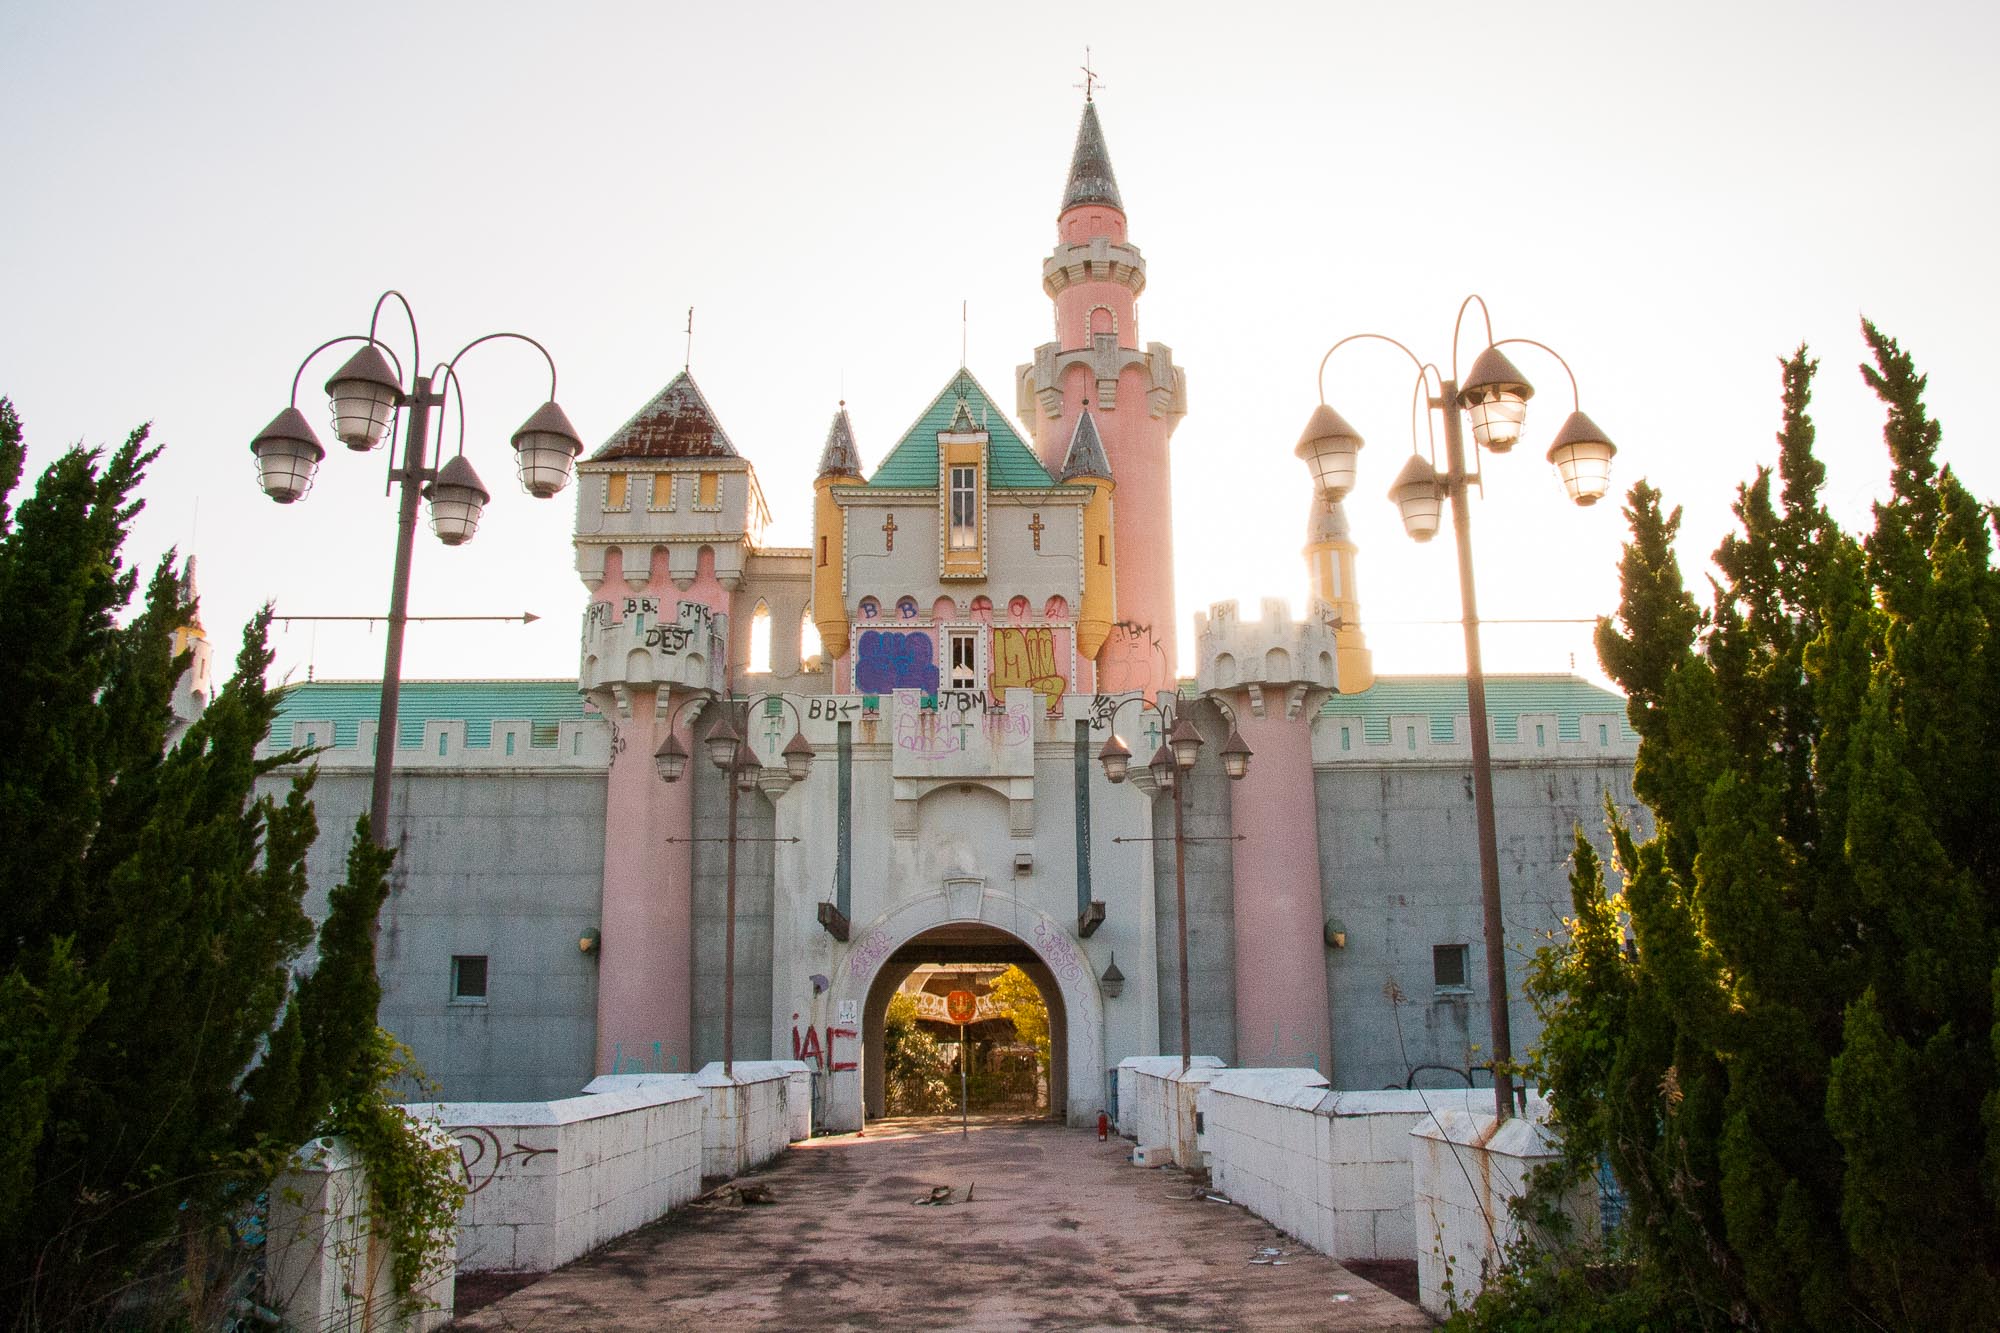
x=1336 y=933
x=1113 y=980
x=590 y=942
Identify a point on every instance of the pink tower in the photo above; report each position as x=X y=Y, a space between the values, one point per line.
x=1136 y=396
x=666 y=511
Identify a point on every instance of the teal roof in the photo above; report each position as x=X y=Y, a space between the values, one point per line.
x=477 y=703
x=1442 y=698
x=1010 y=463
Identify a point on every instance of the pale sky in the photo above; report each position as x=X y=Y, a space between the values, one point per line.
x=1672 y=196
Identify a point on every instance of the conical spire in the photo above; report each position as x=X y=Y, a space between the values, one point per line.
x=1090 y=178
x=1086 y=452
x=840 y=458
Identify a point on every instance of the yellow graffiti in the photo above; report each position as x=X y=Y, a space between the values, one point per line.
x=1026 y=659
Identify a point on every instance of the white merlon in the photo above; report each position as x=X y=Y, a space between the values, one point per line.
x=1279 y=660
x=1520 y=738
x=1099 y=259
x=580 y=743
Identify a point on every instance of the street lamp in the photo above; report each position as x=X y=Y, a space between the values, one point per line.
x=1494 y=396
x=1180 y=746
x=731 y=756
x=364 y=395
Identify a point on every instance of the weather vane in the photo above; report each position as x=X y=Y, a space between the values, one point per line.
x=1090 y=79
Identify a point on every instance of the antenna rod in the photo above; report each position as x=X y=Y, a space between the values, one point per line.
x=687 y=360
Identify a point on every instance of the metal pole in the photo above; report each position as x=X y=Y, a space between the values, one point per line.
x=1482 y=764
x=963 y=1132
x=411 y=477
x=1180 y=910
x=729 y=930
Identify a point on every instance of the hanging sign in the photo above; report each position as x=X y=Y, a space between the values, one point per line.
x=962 y=1006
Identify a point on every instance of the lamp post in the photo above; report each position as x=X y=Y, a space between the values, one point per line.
x=728 y=751
x=1180 y=746
x=365 y=395
x=1494 y=395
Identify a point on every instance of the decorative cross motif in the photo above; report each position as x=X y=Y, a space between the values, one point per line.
x=774 y=728
x=1090 y=78
x=1153 y=730
x=889 y=530
x=1036 y=528
x=962 y=727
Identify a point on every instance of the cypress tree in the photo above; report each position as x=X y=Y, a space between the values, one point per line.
x=1792 y=1068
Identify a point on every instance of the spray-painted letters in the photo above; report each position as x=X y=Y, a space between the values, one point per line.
x=1026 y=658
x=887 y=660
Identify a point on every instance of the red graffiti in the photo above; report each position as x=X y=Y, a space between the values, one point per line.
x=809 y=1047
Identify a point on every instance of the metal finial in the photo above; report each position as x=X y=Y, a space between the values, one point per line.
x=1090 y=79
x=687 y=360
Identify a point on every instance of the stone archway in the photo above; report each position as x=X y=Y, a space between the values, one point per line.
x=1052 y=947
x=961 y=942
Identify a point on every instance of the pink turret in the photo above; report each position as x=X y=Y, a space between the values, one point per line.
x=1136 y=395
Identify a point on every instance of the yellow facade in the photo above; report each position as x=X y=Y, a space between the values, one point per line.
x=1094 y=616
x=829 y=602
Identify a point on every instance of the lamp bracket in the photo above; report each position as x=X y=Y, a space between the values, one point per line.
x=735 y=839
x=1192 y=837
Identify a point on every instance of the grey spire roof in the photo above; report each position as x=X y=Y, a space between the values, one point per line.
x=1090 y=178
x=1328 y=522
x=1086 y=452
x=840 y=458
x=676 y=423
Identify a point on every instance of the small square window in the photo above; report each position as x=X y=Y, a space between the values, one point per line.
x=468 y=978
x=964 y=648
x=1448 y=966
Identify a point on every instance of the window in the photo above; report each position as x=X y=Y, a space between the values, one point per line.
x=663 y=491
x=964 y=508
x=760 y=639
x=1448 y=966
x=614 y=491
x=822 y=552
x=468 y=978
x=964 y=645
x=707 y=489
x=1103 y=554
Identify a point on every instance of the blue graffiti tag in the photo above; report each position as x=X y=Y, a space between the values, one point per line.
x=887 y=660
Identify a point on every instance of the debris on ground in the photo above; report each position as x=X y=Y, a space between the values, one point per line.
x=939 y=1196
x=738 y=1193
x=1271 y=1255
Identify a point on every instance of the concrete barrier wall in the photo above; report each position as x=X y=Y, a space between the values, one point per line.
x=1464 y=1172
x=750 y=1118
x=1158 y=1111
x=1331 y=1168
x=325 y=1268
x=549 y=1181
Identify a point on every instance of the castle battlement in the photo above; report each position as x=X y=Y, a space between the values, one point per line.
x=1275 y=650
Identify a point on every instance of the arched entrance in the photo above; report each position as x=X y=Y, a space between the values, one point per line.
x=966 y=913
x=970 y=942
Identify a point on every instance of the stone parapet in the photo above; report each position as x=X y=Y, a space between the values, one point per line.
x=1275 y=660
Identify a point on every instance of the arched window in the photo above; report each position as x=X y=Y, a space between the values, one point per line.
x=810 y=646
x=760 y=639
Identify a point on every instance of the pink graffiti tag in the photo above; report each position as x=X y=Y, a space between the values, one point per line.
x=1055 y=947
x=868 y=953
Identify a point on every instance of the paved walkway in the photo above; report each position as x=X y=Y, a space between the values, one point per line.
x=1059 y=1234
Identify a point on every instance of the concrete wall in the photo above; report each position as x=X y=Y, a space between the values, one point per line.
x=1332 y=1168
x=325 y=1268
x=505 y=863
x=748 y=1118
x=1211 y=897
x=549 y=1181
x=1163 y=1102
x=1464 y=1173
x=1400 y=868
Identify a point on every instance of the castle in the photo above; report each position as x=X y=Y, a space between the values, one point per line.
x=928 y=690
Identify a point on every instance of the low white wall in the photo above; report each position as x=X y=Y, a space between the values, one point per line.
x=750 y=1118
x=324 y=1266
x=1155 y=1108
x=549 y=1181
x=1331 y=1168
x=1464 y=1171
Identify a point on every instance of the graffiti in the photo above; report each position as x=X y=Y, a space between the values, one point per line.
x=811 y=1049
x=479 y=1151
x=1026 y=658
x=869 y=953
x=1017 y=607
x=869 y=608
x=695 y=614
x=836 y=710
x=642 y=606
x=657 y=1062
x=937 y=732
x=893 y=660
x=1133 y=656
x=1102 y=706
x=669 y=639
x=1293 y=1045
x=906 y=609
x=1062 y=956
x=1056 y=608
